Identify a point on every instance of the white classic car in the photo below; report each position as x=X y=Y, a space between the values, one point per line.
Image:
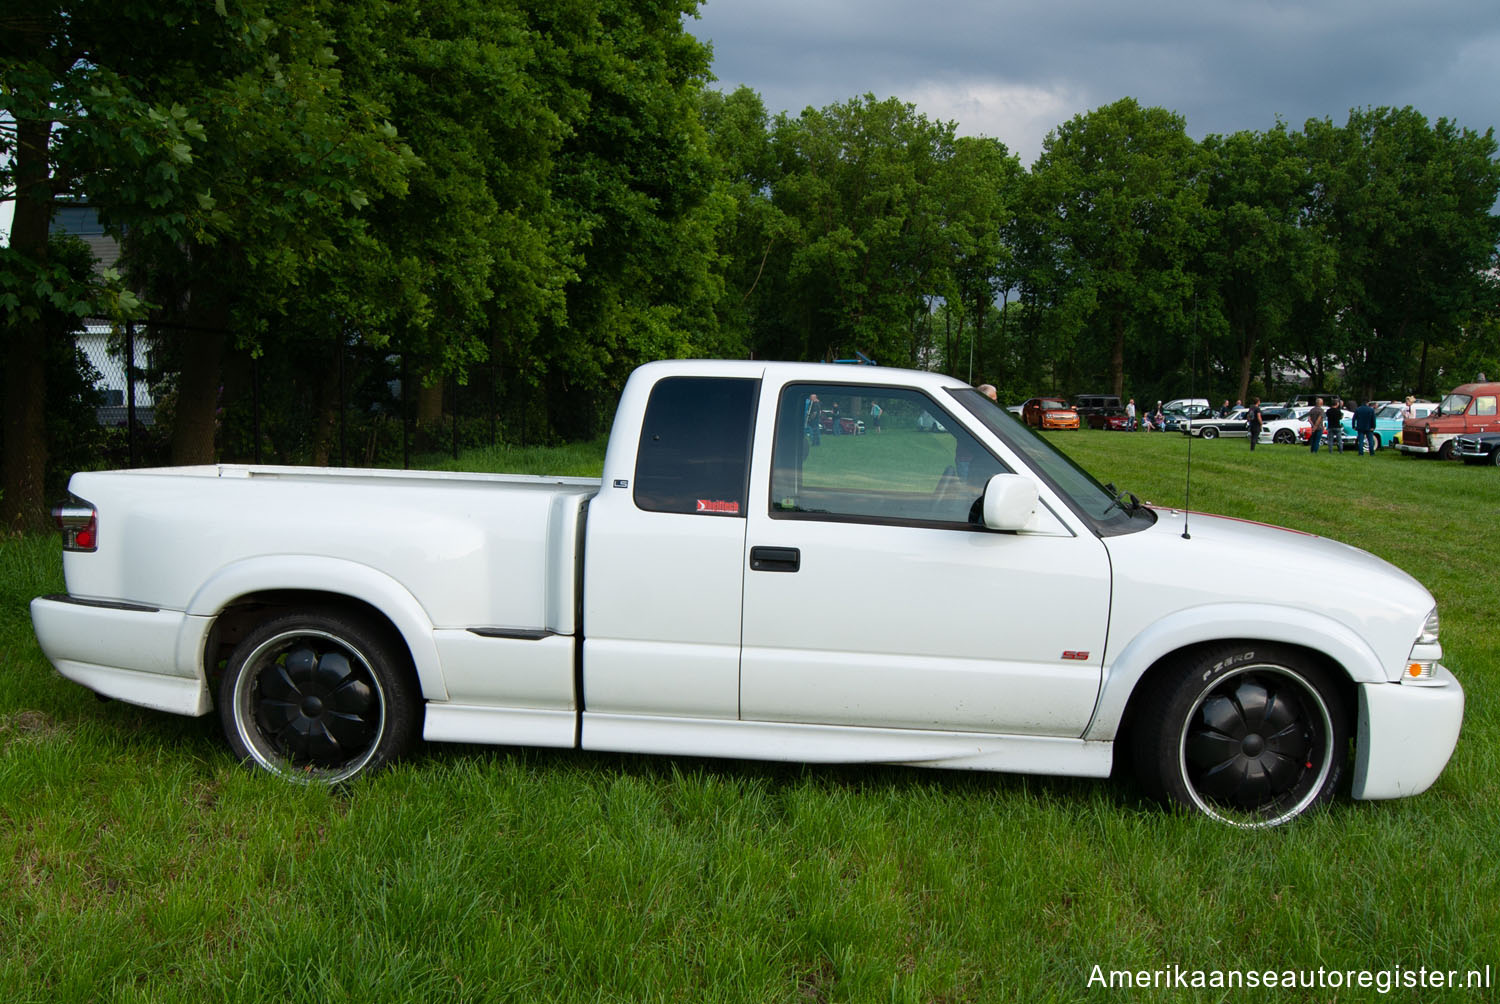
x=963 y=597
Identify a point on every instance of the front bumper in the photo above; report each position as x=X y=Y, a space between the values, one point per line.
x=140 y=655
x=1407 y=733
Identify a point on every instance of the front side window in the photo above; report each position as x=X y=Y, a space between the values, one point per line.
x=694 y=454
x=877 y=454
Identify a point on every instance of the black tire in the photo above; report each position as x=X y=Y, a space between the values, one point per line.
x=319 y=698
x=1250 y=735
x=1284 y=436
x=1494 y=460
x=1210 y=432
x=1445 y=452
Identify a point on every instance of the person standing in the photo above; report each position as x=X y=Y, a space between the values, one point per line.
x=1257 y=421
x=1130 y=415
x=1316 y=418
x=812 y=421
x=1364 y=428
x=1334 y=420
x=875 y=413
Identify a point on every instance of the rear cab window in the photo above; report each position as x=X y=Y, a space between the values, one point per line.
x=694 y=454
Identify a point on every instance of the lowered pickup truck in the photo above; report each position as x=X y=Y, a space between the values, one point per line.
x=738 y=585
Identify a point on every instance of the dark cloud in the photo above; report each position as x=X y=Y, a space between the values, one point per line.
x=1015 y=70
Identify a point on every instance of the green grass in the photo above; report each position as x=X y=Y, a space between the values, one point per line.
x=138 y=862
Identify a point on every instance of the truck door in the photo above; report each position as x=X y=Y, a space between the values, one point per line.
x=664 y=553
x=871 y=599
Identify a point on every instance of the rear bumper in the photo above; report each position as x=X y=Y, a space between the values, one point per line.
x=140 y=655
x=1406 y=735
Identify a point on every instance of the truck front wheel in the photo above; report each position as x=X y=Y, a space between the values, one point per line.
x=318 y=698
x=1251 y=735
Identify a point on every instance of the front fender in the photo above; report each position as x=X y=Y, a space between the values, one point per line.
x=1217 y=622
x=330 y=575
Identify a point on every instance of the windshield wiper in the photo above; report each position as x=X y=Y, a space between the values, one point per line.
x=1125 y=501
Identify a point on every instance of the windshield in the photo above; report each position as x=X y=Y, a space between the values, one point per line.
x=1454 y=404
x=1389 y=411
x=1084 y=495
x=1054 y=405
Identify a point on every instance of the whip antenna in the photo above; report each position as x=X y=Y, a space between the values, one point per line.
x=1187 y=501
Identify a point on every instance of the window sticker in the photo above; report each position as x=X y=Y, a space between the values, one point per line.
x=719 y=505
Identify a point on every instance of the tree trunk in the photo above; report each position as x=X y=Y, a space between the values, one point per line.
x=25 y=459
x=329 y=400
x=1247 y=361
x=23 y=467
x=430 y=400
x=202 y=352
x=1117 y=355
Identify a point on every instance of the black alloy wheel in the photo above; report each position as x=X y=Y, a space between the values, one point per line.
x=318 y=698
x=1253 y=736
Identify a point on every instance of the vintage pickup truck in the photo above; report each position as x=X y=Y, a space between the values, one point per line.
x=738 y=585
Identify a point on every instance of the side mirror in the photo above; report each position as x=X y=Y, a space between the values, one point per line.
x=1009 y=502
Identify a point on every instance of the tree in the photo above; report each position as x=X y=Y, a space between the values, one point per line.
x=1409 y=206
x=858 y=185
x=1265 y=259
x=73 y=119
x=1117 y=196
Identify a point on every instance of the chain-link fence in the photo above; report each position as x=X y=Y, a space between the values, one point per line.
x=334 y=401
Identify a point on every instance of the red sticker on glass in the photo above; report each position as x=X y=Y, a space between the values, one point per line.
x=718 y=505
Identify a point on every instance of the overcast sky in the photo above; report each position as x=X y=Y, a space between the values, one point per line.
x=1015 y=69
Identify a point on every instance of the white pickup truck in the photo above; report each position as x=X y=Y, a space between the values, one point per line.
x=750 y=579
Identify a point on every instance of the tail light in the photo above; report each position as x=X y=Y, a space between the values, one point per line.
x=79 y=523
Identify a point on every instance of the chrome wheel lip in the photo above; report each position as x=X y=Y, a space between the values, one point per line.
x=1324 y=721
x=259 y=745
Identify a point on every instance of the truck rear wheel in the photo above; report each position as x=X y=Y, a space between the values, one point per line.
x=1251 y=735
x=318 y=698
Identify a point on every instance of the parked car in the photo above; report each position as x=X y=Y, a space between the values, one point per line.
x=705 y=598
x=1286 y=426
x=1186 y=403
x=1173 y=418
x=1478 y=448
x=1388 y=419
x=1098 y=411
x=1469 y=408
x=1236 y=424
x=1049 y=413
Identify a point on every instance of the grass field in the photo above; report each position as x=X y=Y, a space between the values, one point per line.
x=140 y=863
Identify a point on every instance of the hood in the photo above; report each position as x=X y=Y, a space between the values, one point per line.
x=1227 y=560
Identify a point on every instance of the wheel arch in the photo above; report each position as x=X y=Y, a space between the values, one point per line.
x=1162 y=646
x=1165 y=666
x=246 y=593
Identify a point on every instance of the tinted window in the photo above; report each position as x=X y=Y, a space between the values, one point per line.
x=874 y=453
x=694 y=454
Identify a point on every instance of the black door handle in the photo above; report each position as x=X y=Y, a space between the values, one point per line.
x=775 y=559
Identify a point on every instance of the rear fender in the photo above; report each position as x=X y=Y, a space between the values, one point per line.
x=335 y=576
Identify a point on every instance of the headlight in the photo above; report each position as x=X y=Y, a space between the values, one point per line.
x=1429 y=635
x=1421 y=665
